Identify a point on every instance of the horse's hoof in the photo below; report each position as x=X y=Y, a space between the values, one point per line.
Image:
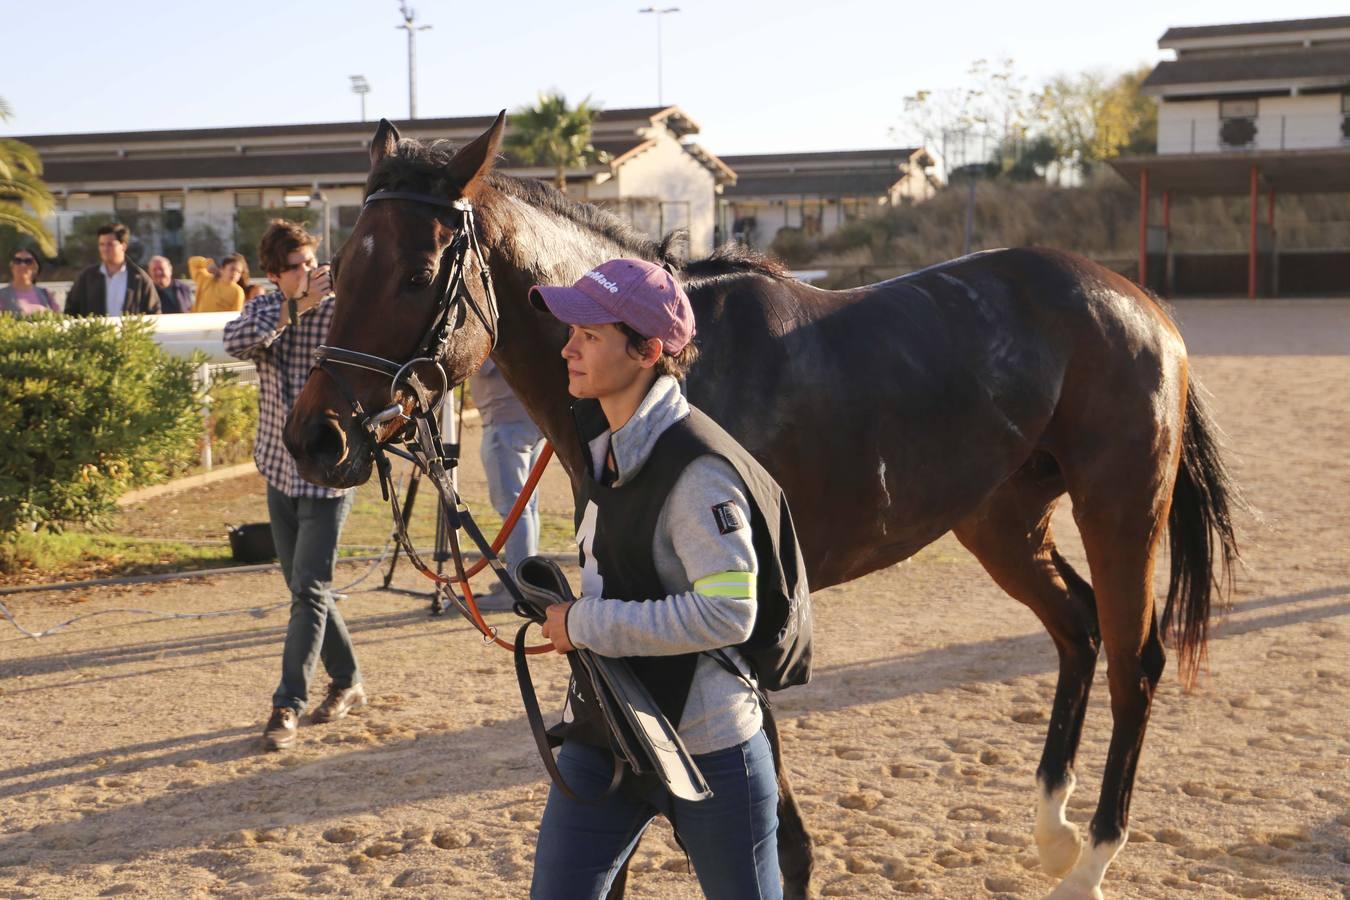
x=1070 y=890
x=1059 y=849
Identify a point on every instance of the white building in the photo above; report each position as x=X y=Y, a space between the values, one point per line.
x=185 y=192
x=1256 y=108
x=819 y=192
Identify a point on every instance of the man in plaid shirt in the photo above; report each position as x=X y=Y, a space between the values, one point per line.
x=306 y=518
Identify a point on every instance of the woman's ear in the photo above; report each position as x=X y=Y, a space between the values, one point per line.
x=651 y=352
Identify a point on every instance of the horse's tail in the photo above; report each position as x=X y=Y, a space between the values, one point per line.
x=1200 y=528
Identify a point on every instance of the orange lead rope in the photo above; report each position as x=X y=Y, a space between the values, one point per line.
x=462 y=576
x=531 y=484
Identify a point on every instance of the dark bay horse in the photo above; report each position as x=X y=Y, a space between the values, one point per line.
x=967 y=397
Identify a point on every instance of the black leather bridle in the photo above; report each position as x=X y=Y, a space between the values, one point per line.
x=454 y=302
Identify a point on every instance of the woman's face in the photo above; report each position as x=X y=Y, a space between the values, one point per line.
x=22 y=267
x=231 y=271
x=598 y=361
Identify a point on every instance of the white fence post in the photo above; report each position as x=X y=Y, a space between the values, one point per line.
x=204 y=382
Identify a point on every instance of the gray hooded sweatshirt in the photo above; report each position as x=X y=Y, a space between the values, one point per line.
x=688 y=545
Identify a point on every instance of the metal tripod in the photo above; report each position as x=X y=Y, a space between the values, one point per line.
x=451 y=423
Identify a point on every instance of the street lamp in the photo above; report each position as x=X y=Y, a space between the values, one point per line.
x=409 y=18
x=362 y=87
x=660 y=100
x=325 y=229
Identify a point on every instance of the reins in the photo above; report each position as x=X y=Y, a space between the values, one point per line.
x=419 y=429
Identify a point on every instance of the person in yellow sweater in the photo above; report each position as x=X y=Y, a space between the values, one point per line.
x=217 y=287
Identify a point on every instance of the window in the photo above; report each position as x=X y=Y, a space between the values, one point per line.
x=1237 y=123
x=126 y=203
x=296 y=199
x=1237 y=109
x=1345 y=118
x=171 y=201
x=247 y=199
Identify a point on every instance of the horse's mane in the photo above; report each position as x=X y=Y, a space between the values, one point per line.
x=422 y=167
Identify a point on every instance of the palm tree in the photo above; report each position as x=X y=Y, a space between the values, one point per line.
x=20 y=183
x=554 y=134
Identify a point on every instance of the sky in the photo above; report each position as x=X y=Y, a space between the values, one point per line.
x=758 y=77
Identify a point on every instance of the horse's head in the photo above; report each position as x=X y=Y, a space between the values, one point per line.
x=409 y=287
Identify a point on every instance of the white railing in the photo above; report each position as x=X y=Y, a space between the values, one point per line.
x=1304 y=131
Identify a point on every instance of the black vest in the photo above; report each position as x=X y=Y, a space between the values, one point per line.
x=621 y=544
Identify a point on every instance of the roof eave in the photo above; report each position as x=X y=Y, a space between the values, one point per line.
x=1202 y=88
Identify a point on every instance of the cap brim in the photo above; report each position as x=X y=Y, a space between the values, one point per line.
x=569 y=305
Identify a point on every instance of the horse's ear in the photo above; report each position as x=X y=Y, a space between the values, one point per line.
x=384 y=143
x=474 y=159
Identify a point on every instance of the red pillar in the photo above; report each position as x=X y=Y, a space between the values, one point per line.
x=1251 y=248
x=1143 y=226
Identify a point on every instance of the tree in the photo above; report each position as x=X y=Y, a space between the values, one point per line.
x=21 y=183
x=1092 y=118
x=982 y=122
x=552 y=133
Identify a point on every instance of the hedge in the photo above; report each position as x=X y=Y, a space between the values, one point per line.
x=89 y=408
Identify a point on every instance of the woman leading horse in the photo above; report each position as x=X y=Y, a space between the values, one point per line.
x=967 y=397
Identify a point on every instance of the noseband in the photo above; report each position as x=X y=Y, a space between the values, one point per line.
x=452 y=303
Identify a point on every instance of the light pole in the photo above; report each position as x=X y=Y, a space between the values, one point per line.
x=660 y=99
x=325 y=229
x=362 y=87
x=409 y=20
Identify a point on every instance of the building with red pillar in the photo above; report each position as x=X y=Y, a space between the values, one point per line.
x=1255 y=109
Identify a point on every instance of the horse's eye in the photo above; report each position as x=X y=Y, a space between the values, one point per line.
x=421 y=279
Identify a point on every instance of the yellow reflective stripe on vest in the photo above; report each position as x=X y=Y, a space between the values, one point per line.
x=727 y=584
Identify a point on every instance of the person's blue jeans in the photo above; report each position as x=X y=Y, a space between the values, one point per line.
x=509 y=450
x=306 y=531
x=731 y=838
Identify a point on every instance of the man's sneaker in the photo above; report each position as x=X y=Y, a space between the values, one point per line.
x=339 y=702
x=496 y=600
x=281 y=728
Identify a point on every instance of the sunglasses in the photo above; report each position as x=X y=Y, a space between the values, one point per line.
x=23 y=261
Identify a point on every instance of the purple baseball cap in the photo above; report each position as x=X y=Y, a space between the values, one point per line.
x=642 y=295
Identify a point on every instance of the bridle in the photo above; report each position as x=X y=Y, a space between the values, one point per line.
x=420 y=431
x=453 y=303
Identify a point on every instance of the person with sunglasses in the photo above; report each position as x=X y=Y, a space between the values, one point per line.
x=22 y=296
x=306 y=518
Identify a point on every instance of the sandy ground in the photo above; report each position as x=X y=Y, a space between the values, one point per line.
x=129 y=760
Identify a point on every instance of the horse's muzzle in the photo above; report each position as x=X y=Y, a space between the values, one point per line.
x=323 y=451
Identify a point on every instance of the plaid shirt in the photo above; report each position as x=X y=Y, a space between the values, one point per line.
x=284 y=358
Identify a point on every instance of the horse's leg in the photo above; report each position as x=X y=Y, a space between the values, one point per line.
x=1120 y=504
x=796 y=858
x=1010 y=535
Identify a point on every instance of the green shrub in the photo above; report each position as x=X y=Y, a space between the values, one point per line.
x=234 y=419
x=793 y=247
x=89 y=409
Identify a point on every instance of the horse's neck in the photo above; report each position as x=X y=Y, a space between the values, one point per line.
x=529 y=247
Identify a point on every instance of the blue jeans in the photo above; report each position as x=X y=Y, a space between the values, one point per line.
x=509 y=450
x=306 y=531
x=732 y=837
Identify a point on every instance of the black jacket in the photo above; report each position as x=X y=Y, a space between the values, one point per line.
x=88 y=297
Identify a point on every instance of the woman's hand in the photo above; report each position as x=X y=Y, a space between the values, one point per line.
x=555 y=627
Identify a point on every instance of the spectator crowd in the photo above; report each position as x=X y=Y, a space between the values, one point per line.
x=117 y=286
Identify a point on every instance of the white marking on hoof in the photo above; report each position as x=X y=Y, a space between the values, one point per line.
x=1085 y=881
x=1057 y=838
x=368 y=244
